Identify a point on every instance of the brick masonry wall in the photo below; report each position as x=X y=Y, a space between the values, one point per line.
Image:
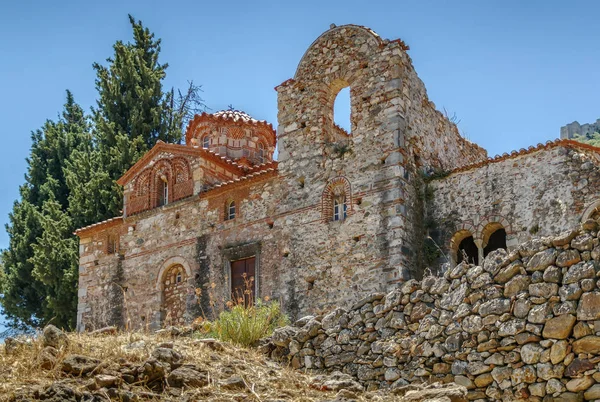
x=523 y=326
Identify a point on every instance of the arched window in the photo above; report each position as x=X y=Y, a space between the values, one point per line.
x=163 y=191
x=174 y=295
x=342 y=107
x=336 y=200
x=205 y=141
x=112 y=244
x=494 y=237
x=463 y=247
x=230 y=210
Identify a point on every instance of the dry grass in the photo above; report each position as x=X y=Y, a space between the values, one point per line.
x=265 y=380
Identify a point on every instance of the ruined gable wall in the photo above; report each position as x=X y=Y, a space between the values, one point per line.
x=539 y=193
x=326 y=266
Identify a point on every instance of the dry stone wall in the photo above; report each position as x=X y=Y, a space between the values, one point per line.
x=523 y=326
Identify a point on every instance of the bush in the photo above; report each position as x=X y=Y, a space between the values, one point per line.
x=244 y=324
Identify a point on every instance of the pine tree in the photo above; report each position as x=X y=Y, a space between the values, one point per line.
x=26 y=296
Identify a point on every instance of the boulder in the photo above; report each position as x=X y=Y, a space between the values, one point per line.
x=54 y=337
x=79 y=365
x=187 y=376
x=559 y=327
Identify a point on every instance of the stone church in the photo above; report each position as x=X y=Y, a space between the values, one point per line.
x=338 y=216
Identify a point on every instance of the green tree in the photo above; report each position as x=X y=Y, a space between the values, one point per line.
x=26 y=297
x=592 y=139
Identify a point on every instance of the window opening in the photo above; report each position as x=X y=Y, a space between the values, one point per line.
x=340 y=209
x=497 y=240
x=163 y=191
x=342 y=110
x=205 y=142
x=467 y=249
x=111 y=247
x=261 y=152
x=230 y=212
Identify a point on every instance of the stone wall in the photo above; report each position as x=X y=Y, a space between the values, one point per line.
x=523 y=326
x=537 y=192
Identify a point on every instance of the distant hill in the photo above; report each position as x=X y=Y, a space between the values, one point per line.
x=573 y=129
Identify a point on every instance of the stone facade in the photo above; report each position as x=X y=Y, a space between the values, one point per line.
x=339 y=215
x=521 y=326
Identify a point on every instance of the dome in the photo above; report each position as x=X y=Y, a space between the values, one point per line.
x=236 y=115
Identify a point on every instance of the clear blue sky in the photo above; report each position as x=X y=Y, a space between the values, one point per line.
x=512 y=71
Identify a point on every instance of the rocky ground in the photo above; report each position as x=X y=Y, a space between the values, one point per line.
x=171 y=366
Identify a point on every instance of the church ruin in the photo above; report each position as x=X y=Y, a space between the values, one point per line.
x=338 y=215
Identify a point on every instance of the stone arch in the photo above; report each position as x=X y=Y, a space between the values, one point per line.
x=462 y=243
x=336 y=187
x=592 y=211
x=493 y=237
x=463 y=231
x=169 y=263
x=486 y=222
x=360 y=41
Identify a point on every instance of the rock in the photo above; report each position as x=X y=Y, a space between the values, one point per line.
x=152 y=370
x=14 y=345
x=47 y=358
x=54 y=337
x=589 y=306
x=511 y=327
x=494 y=306
x=337 y=381
x=587 y=344
x=543 y=289
x=495 y=261
x=521 y=308
x=583 y=242
x=559 y=351
x=283 y=336
x=507 y=273
x=392 y=374
x=580 y=384
x=564 y=238
x=483 y=380
x=106 y=381
x=542 y=260
x=546 y=371
x=453 y=298
x=578 y=367
x=581 y=329
x=105 y=331
x=168 y=356
x=566 y=258
x=552 y=274
x=233 y=382
x=501 y=374
x=472 y=324
x=464 y=381
x=79 y=365
x=592 y=393
x=582 y=270
x=553 y=386
x=437 y=392
x=570 y=292
x=331 y=319
x=559 y=327
x=516 y=285
x=539 y=314
x=187 y=376
x=530 y=353
x=59 y=392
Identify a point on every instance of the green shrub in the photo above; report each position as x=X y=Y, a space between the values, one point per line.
x=244 y=324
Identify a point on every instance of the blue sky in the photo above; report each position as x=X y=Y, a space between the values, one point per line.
x=512 y=71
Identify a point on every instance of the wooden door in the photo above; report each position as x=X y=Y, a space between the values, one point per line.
x=243 y=280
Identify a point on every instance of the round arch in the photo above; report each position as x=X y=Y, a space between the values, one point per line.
x=355 y=31
x=487 y=223
x=591 y=210
x=168 y=263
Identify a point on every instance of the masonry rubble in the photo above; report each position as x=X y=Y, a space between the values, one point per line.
x=524 y=325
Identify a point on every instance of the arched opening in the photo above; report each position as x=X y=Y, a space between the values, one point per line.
x=174 y=295
x=494 y=238
x=261 y=152
x=162 y=195
x=230 y=210
x=340 y=208
x=342 y=110
x=467 y=250
x=205 y=141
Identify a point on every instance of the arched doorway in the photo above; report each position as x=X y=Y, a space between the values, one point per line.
x=174 y=293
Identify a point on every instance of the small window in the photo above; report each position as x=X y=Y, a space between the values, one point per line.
x=261 y=152
x=163 y=191
x=111 y=244
x=340 y=209
x=230 y=211
x=205 y=142
x=178 y=278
